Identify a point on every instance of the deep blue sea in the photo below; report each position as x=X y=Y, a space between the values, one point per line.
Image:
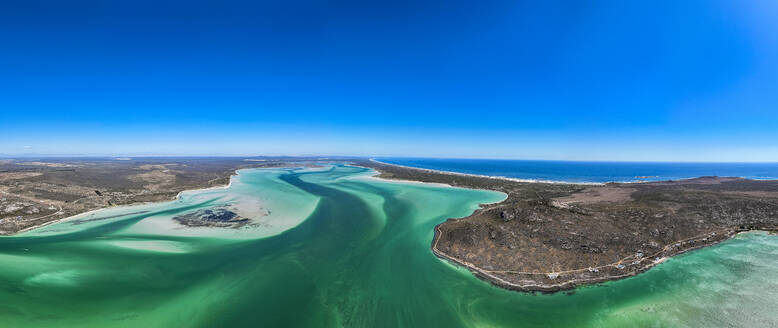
x=572 y=171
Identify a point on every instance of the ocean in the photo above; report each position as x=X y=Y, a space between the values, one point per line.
x=596 y=172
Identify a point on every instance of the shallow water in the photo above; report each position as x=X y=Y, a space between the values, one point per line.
x=340 y=249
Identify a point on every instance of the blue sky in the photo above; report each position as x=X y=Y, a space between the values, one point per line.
x=572 y=80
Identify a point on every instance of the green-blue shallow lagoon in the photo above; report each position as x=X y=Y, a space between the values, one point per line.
x=333 y=247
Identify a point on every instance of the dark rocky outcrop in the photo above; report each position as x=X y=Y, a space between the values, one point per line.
x=218 y=217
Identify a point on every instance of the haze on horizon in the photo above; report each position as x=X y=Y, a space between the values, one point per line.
x=558 y=80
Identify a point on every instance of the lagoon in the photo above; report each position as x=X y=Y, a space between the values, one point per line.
x=334 y=247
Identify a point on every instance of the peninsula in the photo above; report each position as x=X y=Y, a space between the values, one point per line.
x=555 y=236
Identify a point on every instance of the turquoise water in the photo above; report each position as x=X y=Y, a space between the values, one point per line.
x=333 y=247
x=572 y=171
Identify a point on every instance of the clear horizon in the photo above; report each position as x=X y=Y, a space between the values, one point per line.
x=249 y=156
x=599 y=81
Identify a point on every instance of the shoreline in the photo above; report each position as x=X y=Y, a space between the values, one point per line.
x=540 y=181
x=651 y=261
x=177 y=196
x=376 y=177
x=232 y=175
x=497 y=177
x=574 y=278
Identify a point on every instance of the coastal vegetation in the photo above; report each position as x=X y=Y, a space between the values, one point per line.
x=556 y=236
